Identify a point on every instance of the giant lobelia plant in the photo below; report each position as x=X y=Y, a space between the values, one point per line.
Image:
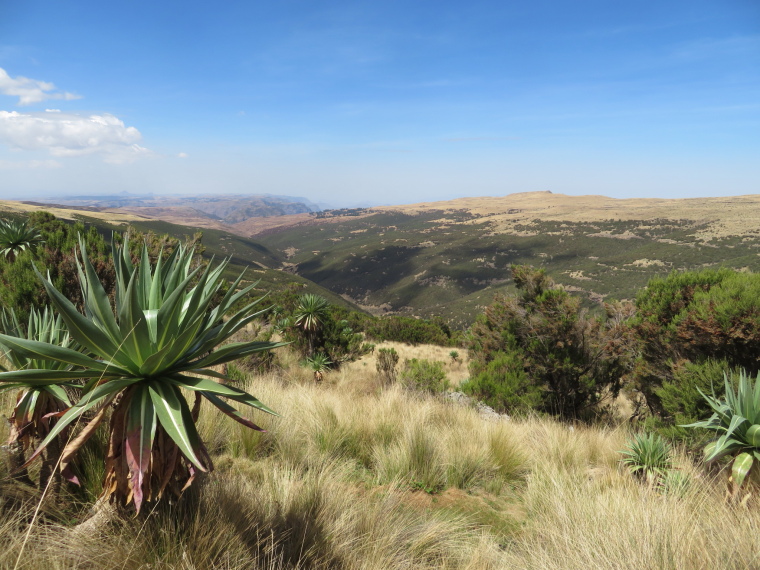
x=162 y=336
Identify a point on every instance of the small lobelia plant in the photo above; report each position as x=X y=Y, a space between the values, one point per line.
x=736 y=420
x=648 y=456
x=160 y=339
x=319 y=364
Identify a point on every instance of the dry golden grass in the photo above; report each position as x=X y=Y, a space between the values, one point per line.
x=730 y=215
x=350 y=477
x=456 y=371
x=724 y=216
x=112 y=216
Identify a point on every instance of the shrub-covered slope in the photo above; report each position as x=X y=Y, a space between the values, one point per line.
x=451 y=264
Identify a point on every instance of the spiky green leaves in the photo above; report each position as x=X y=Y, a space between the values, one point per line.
x=165 y=329
x=39 y=378
x=736 y=420
x=648 y=456
x=319 y=362
x=311 y=312
x=16 y=236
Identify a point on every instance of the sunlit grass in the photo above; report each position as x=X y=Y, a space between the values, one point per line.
x=353 y=475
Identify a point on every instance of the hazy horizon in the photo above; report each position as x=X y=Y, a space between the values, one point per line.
x=347 y=103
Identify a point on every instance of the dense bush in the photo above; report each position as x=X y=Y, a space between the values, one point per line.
x=387 y=359
x=681 y=397
x=691 y=327
x=314 y=326
x=424 y=375
x=570 y=361
x=21 y=289
x=503 y=383
x=411 y=330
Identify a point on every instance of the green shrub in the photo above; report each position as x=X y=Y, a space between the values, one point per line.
x=424 y=375
x=571 y=360
x=314 y=326
x=503 y=384
x=19 y=286
x=410 y=330
x=689 y=325
x=387 y=359
x=681 y=397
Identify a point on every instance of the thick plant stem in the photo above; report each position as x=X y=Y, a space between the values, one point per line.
x=102 y=513
x=48 y=469
x=14 y=457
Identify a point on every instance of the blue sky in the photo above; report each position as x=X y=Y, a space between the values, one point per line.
x=380 y=102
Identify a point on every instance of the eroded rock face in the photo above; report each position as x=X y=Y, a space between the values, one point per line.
x=486 y=412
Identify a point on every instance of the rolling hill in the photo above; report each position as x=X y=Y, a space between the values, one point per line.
x=450 y=258
x=260 y=263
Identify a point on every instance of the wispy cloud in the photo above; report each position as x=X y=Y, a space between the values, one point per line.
x=30 y=91
x=718 y=47
x=479 y=139
x=65 y=134
x=29 y=164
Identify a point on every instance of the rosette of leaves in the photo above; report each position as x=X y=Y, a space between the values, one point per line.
x=736 y=420
x=319 y=364
x=38 y=401
x=309 y=317
x=647 y=456
x=17 y=236
x=161 y=337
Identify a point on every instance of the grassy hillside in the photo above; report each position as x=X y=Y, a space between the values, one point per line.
x=350 y=476
x=451 y=263
x=261 y=263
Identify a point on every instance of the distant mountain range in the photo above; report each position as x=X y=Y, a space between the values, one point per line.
x=225 y=208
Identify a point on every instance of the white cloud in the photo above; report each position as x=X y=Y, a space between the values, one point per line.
x=65 y=134
x=30 y=91
x=182 y=155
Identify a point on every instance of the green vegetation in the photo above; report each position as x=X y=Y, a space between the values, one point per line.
x=314 y=326
x=692 y=327
x=19 y=286
x=736 y=421
x=309 y=317
x=648 y=456
x=33 y=418
x=409 y=330
x=17 y=236
x=424 y=376
x=372 y=468
x=450 y=264
x=540 y=349
x=387 y=359
x=143 y=347
x=319 y=364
